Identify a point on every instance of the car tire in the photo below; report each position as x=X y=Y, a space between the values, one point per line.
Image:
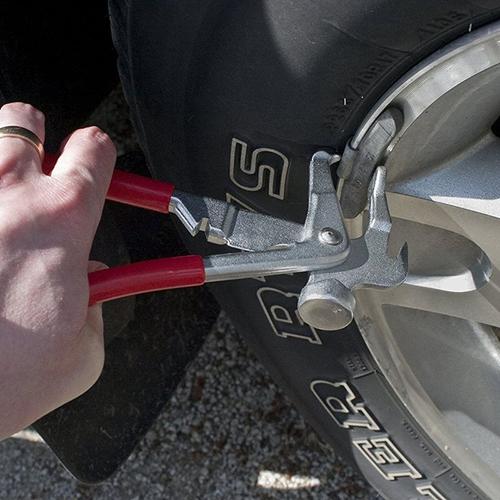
x=283 y=78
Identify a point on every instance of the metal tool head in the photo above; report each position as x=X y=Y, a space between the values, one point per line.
x=327 y=301
x=320 y=246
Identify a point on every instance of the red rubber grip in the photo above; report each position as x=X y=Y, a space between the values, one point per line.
x=147 y=276
x=131 y=189
x=140 y=191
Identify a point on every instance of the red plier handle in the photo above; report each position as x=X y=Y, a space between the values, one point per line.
x=147 y=276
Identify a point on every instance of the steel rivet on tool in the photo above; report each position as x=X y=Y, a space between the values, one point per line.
x=330 y=236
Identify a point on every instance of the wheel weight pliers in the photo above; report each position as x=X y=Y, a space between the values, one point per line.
x=267 y=245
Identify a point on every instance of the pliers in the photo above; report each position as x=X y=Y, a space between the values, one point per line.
x=267 y=245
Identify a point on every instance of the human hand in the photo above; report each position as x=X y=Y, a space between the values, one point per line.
x=51 y=343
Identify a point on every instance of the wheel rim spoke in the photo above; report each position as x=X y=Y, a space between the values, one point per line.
x=477 y=305
x=463 y=198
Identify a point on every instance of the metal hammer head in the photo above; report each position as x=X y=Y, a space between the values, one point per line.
x=327 y=301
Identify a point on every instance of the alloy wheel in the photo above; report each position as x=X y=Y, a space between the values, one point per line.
x=436 y=338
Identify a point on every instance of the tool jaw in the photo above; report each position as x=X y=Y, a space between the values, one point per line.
x=320 y=243
x=226 y=224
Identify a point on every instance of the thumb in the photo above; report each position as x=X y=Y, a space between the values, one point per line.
x=92 y=340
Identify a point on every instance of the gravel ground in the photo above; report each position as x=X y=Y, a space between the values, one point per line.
x=228 y=432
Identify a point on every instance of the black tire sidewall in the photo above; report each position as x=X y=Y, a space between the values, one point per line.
x=290 y=77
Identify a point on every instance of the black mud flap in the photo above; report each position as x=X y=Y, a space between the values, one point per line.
x=150 y=341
